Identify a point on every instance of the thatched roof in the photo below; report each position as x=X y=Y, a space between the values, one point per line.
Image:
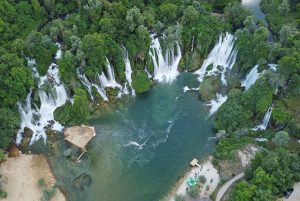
x=79 y=135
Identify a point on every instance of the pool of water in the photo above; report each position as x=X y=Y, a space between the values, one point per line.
x=142 y=146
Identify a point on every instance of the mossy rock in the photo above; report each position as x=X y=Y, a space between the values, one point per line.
x=209 y=87
x=140 y=82
x=61 y=114
x=13 y=151
x=191 y=61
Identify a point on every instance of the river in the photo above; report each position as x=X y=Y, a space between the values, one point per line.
x=142 y=146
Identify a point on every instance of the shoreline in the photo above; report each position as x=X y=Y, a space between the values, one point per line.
x=177 y=188
x=23 y=174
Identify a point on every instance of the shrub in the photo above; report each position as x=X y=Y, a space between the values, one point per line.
x=41 y=182
x=202 y=179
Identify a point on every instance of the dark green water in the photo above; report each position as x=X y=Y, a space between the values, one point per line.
x=173 y=128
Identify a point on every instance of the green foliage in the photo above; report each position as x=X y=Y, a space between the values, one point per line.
x=134 y=19
x=48 y=194
x=80 y=111
x=41 y=182
x=236 y=14
x=280 y=116
x=284 y=7
x=202 y=179
x=193 y=192
x=141 y=82
x=3 y=194
x=244 y=191
x=9 y=123
x=2 y=155
x=281 y=139
x=179 y=198
x=168 y=12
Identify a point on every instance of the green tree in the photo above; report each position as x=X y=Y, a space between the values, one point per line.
x=244 y=191
x=80 y=109
x=284 y=7
x=168 y=11
x=190 y=15
x=134 y=18
x=281 y=139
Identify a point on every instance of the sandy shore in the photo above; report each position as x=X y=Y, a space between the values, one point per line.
x=212 y=180
x=23 y=173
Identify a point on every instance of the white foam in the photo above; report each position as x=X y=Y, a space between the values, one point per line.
x=216 y=103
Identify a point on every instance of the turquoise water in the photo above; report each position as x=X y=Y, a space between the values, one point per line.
x=142 y=146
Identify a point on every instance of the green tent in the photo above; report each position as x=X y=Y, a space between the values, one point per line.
x=191 y=182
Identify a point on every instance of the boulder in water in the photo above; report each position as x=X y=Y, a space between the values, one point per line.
x=82 y=181
x=27 y=132
x=209 y=87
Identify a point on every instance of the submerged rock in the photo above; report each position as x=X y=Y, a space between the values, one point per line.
x=82 y=181
x=209 y=87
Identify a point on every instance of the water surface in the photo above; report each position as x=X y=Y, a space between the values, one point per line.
x=142 y=146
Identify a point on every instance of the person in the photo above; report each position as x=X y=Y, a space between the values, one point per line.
x=211 y=180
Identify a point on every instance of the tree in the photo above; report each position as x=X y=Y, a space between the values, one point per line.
x=193 y=192
x=190 y=15
x=80 y=111
x=281 y=139
x=202 y=179
x=168 y=11
x=284 y=7
x=244 y=191
x=236 y=14
x=2 y=155
x=134 y=18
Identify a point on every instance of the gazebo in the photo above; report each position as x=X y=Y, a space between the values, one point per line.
x=191 y=182
x=79 y=136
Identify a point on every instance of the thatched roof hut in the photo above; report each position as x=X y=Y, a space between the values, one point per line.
x=79 y=135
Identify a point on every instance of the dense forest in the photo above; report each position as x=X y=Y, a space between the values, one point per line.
x=93 y=31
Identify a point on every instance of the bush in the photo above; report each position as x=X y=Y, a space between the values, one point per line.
x=140 y=82
x=48 y=194
x=2 y=155
x=202 y=179
x=41 y=182
x=193 y=191
x=179 y=198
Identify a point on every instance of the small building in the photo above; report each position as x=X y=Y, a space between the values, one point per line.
x=194 y=162
x=80 y=136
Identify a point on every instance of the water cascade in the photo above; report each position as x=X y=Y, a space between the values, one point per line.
x=128 y=73
x=86 y=83
x=251 y=78
x=109 y=81
x=223 y=54
x=216 y=103
x=265 y=121
x=273 y=67
x=39 y=118
x=165 y=67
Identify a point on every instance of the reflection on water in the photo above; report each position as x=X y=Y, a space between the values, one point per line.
x=141 y=147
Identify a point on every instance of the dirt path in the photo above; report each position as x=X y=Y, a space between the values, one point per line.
x=23 y=173
x=225 y=187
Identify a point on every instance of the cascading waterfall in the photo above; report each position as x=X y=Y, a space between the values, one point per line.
x=265 y=121
x=165 y=67
x=251 y=78
x=223 y=54
x=86 y=83
x=128 y=72
x=273 y=67
x=216 y=103
x=39 y=118
x=109 y=81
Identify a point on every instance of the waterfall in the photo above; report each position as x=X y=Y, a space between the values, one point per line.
x=251 y=78
x=86 y=83
x=216 y=103
x=265 y=121
x=148 y=73
x=165 y=67
x=128 y=73
x=109 y=81
x=38 y=119
x=273 y=67
x=223 y=54
x=59 y=52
